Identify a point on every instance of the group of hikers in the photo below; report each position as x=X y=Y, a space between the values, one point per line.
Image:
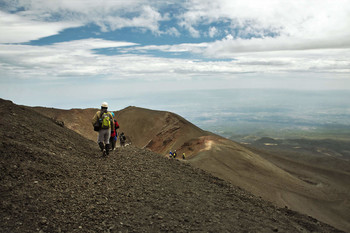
x=106 y=126
x=173 y=155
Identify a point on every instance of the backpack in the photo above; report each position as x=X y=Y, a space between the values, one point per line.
x=122 y=138
x=105 y=120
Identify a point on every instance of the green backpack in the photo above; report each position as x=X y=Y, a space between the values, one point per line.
x=105 y=120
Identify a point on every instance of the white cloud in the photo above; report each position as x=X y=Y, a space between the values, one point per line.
x=77 y=59
x=17 y=29
x=229 y=47
x=60 y=60
x=45 y=18
x=147 y=19
x=173 y=32
x=213 y=31
x=303 y=23
x=247 y=59
x=70 y=73
x=326 y=22
x=88 y=44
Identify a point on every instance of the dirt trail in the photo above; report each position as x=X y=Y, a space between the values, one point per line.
x=54 y=180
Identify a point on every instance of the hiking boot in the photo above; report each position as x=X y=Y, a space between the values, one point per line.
x=107 y=149
x=101 y=146
x=113 y=145
x=104 y=153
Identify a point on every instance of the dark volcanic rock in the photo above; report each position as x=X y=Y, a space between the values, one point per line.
x=54 y=180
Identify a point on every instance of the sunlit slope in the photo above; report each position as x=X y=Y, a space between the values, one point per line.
x=159 y=131
x=163 y=131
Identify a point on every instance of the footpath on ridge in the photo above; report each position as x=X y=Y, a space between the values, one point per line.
x=54 y=180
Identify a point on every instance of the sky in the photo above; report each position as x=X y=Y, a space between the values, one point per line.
x=79 y=53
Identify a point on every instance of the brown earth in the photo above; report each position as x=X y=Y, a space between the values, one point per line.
x=250 y=169
x=284 y=183
x=78 y=120
x=321 y=193
x=158 y=130
x=332 y=179
x=54 y=180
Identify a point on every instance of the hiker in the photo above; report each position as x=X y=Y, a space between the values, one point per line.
x=114 y=133
x=122 y=139
x=104 y=124
x=183 y=155
x=174 y=154
x=171 y=155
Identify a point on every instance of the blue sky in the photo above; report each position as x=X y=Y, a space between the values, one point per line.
x=65 y=53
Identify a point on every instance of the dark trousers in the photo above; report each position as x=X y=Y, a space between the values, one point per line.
x=113 y=141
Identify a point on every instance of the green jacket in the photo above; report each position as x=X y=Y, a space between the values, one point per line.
x=97 y=117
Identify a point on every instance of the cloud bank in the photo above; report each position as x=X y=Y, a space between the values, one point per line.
x=198 y=41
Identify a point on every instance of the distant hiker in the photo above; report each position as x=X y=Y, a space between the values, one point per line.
x=114 y=133
x=174 y=154
x=104 y=124
x=122 y=139
x=183 y=155
x=171 y=155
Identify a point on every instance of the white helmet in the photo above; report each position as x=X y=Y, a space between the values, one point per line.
x=104 y=105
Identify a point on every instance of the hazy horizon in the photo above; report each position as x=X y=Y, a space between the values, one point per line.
x=254 y=111
x=260 y=112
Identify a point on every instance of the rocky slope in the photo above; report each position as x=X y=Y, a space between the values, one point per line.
x=54 y=180
x=305 y=189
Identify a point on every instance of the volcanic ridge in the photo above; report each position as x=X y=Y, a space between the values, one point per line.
x=55 y=180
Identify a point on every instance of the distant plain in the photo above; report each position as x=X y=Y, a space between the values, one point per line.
x=245 y=115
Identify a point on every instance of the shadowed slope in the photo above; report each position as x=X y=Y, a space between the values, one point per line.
x=78 y=120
